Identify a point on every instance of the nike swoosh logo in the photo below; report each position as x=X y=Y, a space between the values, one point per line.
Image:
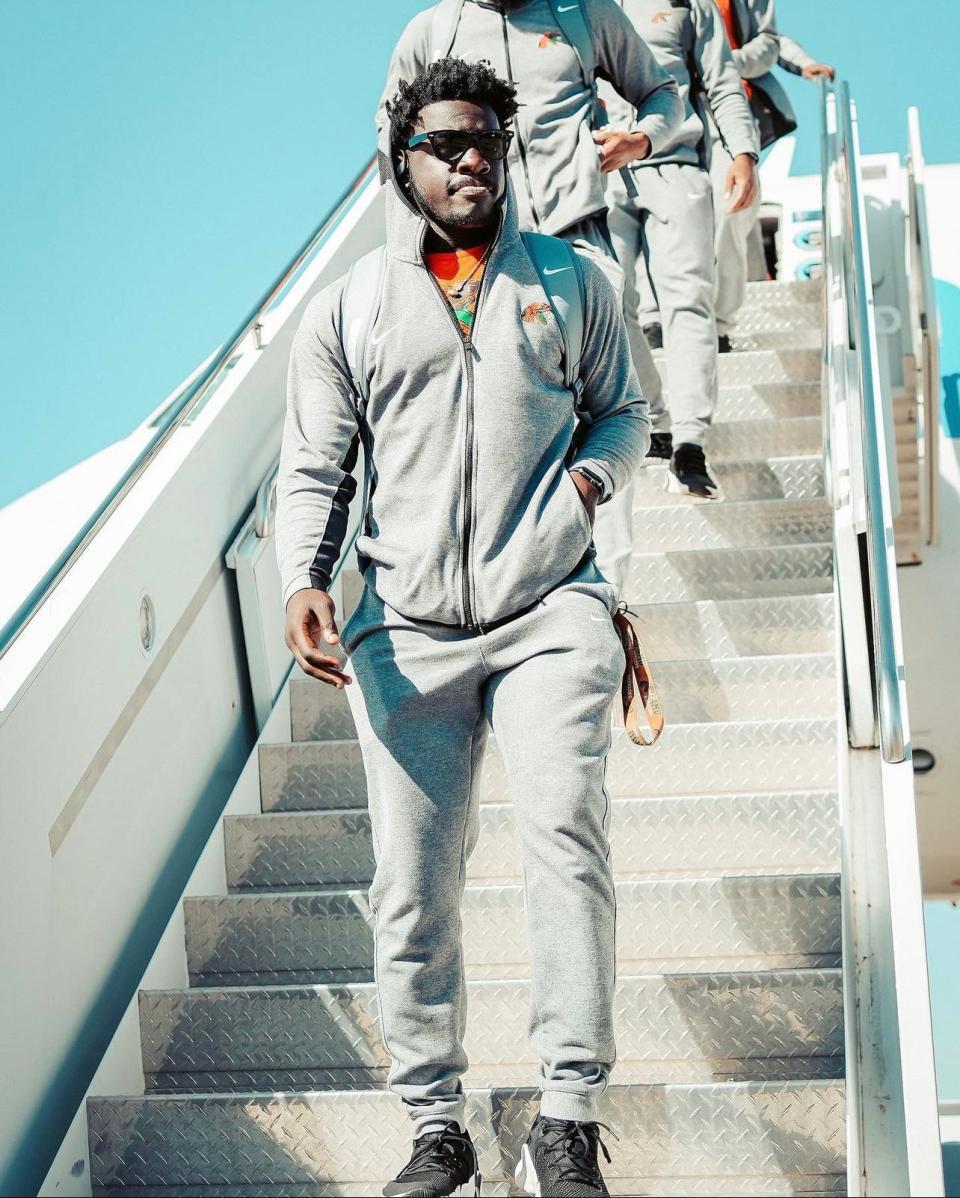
x=377 y=340
x=568 y=8
x=556 y=270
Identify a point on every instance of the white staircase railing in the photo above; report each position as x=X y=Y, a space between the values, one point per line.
x=893 y=1137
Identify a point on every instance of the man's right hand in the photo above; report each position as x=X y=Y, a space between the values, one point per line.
x=310 y=621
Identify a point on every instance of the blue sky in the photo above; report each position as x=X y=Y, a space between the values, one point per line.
x=164 y=160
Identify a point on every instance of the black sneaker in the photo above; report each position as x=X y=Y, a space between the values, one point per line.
x=559 y=1159
x=688 y=474
x=724 y=344
x=654 y=335
x=661 y=446
x=442 y=1162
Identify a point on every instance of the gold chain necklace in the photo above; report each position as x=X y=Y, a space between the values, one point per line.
x=457 y=292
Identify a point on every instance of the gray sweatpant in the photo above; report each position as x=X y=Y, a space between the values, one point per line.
x=613 y=531
x=732 y=242
x=423 y=698
x=666 y=235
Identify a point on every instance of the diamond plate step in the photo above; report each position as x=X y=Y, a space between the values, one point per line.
x=739 y=1138
x=670 y=1028
x=769 y=755
x=805 y=333
x=795 y=831
x=769 y=366
x=754 y=573
x=764 y=296
x=768 y=401
x=737 y=627
x=673 y=925
x=797 y=477
x=788 y=688
x=786 y=314
x=753 y=523
x=761 y=439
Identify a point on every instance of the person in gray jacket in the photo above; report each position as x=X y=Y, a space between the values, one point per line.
x=482 y=607
x=560 y=153
x=664 y=233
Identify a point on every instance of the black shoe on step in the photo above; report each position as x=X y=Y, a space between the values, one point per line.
x=661 y=447
x=443 y=1161
x=559 y=1160
x=654 y=335
x=688 y=474
x=724 y=345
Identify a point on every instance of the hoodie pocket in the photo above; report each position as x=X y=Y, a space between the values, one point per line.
x=581 y=508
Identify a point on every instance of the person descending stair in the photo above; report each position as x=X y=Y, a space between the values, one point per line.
x=564 y=144
x=482 y=606
x=663 y=233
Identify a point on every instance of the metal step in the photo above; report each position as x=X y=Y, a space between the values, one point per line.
x=762 y=572
x=740 y=1138
x=740 y=833
x=766 y=296
x=696 y=691
x=778 y=332
x=796 y=477
x=770 y=366
x=737 y=627
x=769 y=755
x=670 y=1028
x=753 y=523
x=768 y=401
x=761 y=439
x=668 y=925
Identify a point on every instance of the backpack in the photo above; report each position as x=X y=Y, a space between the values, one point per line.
x=558 y=269
x=572 y=22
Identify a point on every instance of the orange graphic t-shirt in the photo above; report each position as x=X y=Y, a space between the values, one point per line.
x=459 y=274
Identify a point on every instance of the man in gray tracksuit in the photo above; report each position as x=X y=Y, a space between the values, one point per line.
x=664 y=233
x=559 y=155
x=758 y=47
x=482 y=606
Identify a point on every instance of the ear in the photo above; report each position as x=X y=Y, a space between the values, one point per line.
x=400 y=164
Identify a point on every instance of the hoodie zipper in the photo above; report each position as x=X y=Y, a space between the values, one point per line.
x=466 y=350
x=521 y=147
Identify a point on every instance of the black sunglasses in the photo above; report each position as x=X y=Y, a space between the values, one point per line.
x=450 y=145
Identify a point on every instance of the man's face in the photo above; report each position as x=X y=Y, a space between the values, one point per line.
x=463 y=194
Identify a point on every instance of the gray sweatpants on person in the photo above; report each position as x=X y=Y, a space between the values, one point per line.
x=423 y=698
x=666 y=236
x=613 y=531
x=732 y=242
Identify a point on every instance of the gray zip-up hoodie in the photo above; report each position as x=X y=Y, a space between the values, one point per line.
x=760 y=52
x=553 y=161
x=687 y=39
x=472 y=514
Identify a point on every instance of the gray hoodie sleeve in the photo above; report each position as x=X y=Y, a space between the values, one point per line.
x=793 y=57
x=721 y=82
x=625 y=59
x=759 y=54
x=617 y=436
x=410 y=57
x=319 y=449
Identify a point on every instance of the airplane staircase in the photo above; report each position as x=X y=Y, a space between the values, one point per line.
x=267 y=1074
x=737 y=992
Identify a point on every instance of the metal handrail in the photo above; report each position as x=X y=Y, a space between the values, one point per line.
x=176 y=416
x=924 y=300
x=856 y=279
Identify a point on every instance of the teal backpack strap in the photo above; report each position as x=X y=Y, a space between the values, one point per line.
x=443 y=30
x=560 y=275
x=575 y=27
x=359 y=305
x=573 y=24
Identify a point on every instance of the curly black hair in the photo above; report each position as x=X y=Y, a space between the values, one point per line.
x=448 y=79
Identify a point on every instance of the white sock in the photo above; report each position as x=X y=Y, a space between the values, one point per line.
x=439 y=1125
